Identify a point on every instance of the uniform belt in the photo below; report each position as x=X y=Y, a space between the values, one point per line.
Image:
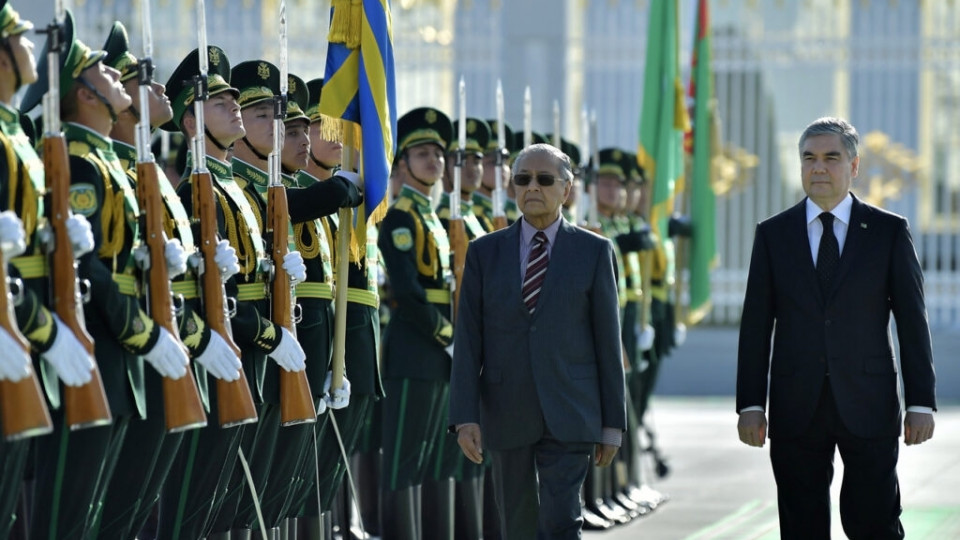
x=186 y=288
x=126 y=283
x=31 y=266
x=369 y=298
x=314 y=289
x=251 y=291
x=634 y=296
x=438 y=296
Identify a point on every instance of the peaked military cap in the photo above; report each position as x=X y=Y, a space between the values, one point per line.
x=569 y=148
x=77 y=58
x=257 y=81
x=421 y=126
x=507 y=135
x=612 y=162
x=478 y=136
x=535 y=138
x=299 y=99
x=118 y=52
x=10 y=22
x=314 y=87
x=632 y=169
x=180 y=85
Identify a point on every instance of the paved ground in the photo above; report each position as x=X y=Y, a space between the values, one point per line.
x=721 y=489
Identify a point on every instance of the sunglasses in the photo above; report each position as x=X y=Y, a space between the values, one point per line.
x=524 y=179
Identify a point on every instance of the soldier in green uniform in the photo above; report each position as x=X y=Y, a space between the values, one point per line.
x=90 y=96
x=361 y=342
x=128 y=505
x=569 y=207
x=416 y=365
x=196 y=490
x=22 y=185
x=483 y=196
x=448 y=463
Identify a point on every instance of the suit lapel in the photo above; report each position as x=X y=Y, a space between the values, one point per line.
x=510 y=254
x=799 y=238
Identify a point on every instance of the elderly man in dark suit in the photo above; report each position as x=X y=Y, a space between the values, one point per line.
x=537 y=374
x=824 y=278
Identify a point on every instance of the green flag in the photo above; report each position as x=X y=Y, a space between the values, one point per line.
x=703 y=244
x=663 y=121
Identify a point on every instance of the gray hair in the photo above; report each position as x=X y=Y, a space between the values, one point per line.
x=566 y=166
x=827 y=125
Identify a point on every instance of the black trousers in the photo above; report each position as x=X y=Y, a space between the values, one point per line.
x=537 y=488
x=13 y=462
x=803 y=467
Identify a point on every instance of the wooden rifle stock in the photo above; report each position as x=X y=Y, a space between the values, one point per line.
x=85 y=406
x=182 y=406
x=296 y=399
x=234 y=400
x=458 y=244
x=24 y=411
x=499 y=222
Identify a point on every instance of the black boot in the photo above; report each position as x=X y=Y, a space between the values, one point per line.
x=367 y=467
x=399 y=521
x=437 y=513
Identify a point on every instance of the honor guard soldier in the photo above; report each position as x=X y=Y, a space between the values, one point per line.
x=483 y=196
x=196 y=487
x=471 y=176
x=362 y=327
x=569 y=208
x=416 y=364
x=258 y=83
x=129 y=505
x=90 y=98
x=22 y=222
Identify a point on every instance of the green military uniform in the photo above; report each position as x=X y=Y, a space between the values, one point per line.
x=483 y=204
x=416 y=367
x=101 y=191
x=21 y=189
x=196 y=485
x=573 y=152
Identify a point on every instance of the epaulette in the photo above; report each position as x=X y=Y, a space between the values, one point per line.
x=444 y=212
x=403 y=203
x=79 y=149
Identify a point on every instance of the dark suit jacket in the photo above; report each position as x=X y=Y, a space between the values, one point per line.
x=513 y=371
x=845 y=333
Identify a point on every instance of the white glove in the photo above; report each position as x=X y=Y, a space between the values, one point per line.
x=176 y=258
x=14 y=362
x=351 y=177
x=449 y=349
x=167 y=356
x=645 y=339
x=293 y=264
x=322 y=406
x=339 y=398
x=13 y=239
x=680 y=334
x=81 y=235
x=226 y=260
x=68 y=357
x=219 y=359
x=288 y=354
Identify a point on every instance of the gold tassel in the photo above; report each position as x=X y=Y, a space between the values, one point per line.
x=346 y=22
x=331 y=128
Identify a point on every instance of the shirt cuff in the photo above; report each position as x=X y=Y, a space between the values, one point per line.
x=753 y=408
x=920 y=409
x=611 y=436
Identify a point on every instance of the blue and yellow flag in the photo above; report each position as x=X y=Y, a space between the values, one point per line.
x=358 y=102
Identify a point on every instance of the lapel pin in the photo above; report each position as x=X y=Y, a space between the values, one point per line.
x=863 y=225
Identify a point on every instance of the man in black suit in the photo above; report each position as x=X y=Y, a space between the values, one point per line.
x=828 y=273
x=537 y=366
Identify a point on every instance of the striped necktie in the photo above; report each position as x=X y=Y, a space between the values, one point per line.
x=536 y=271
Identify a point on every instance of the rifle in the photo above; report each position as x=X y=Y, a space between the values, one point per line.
x=85 y=406
x=499 y=218
x=234 y=400
x=593 y=221
x=182 y=406
x=22 y=405
x=458 y=232
x=296 y=399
